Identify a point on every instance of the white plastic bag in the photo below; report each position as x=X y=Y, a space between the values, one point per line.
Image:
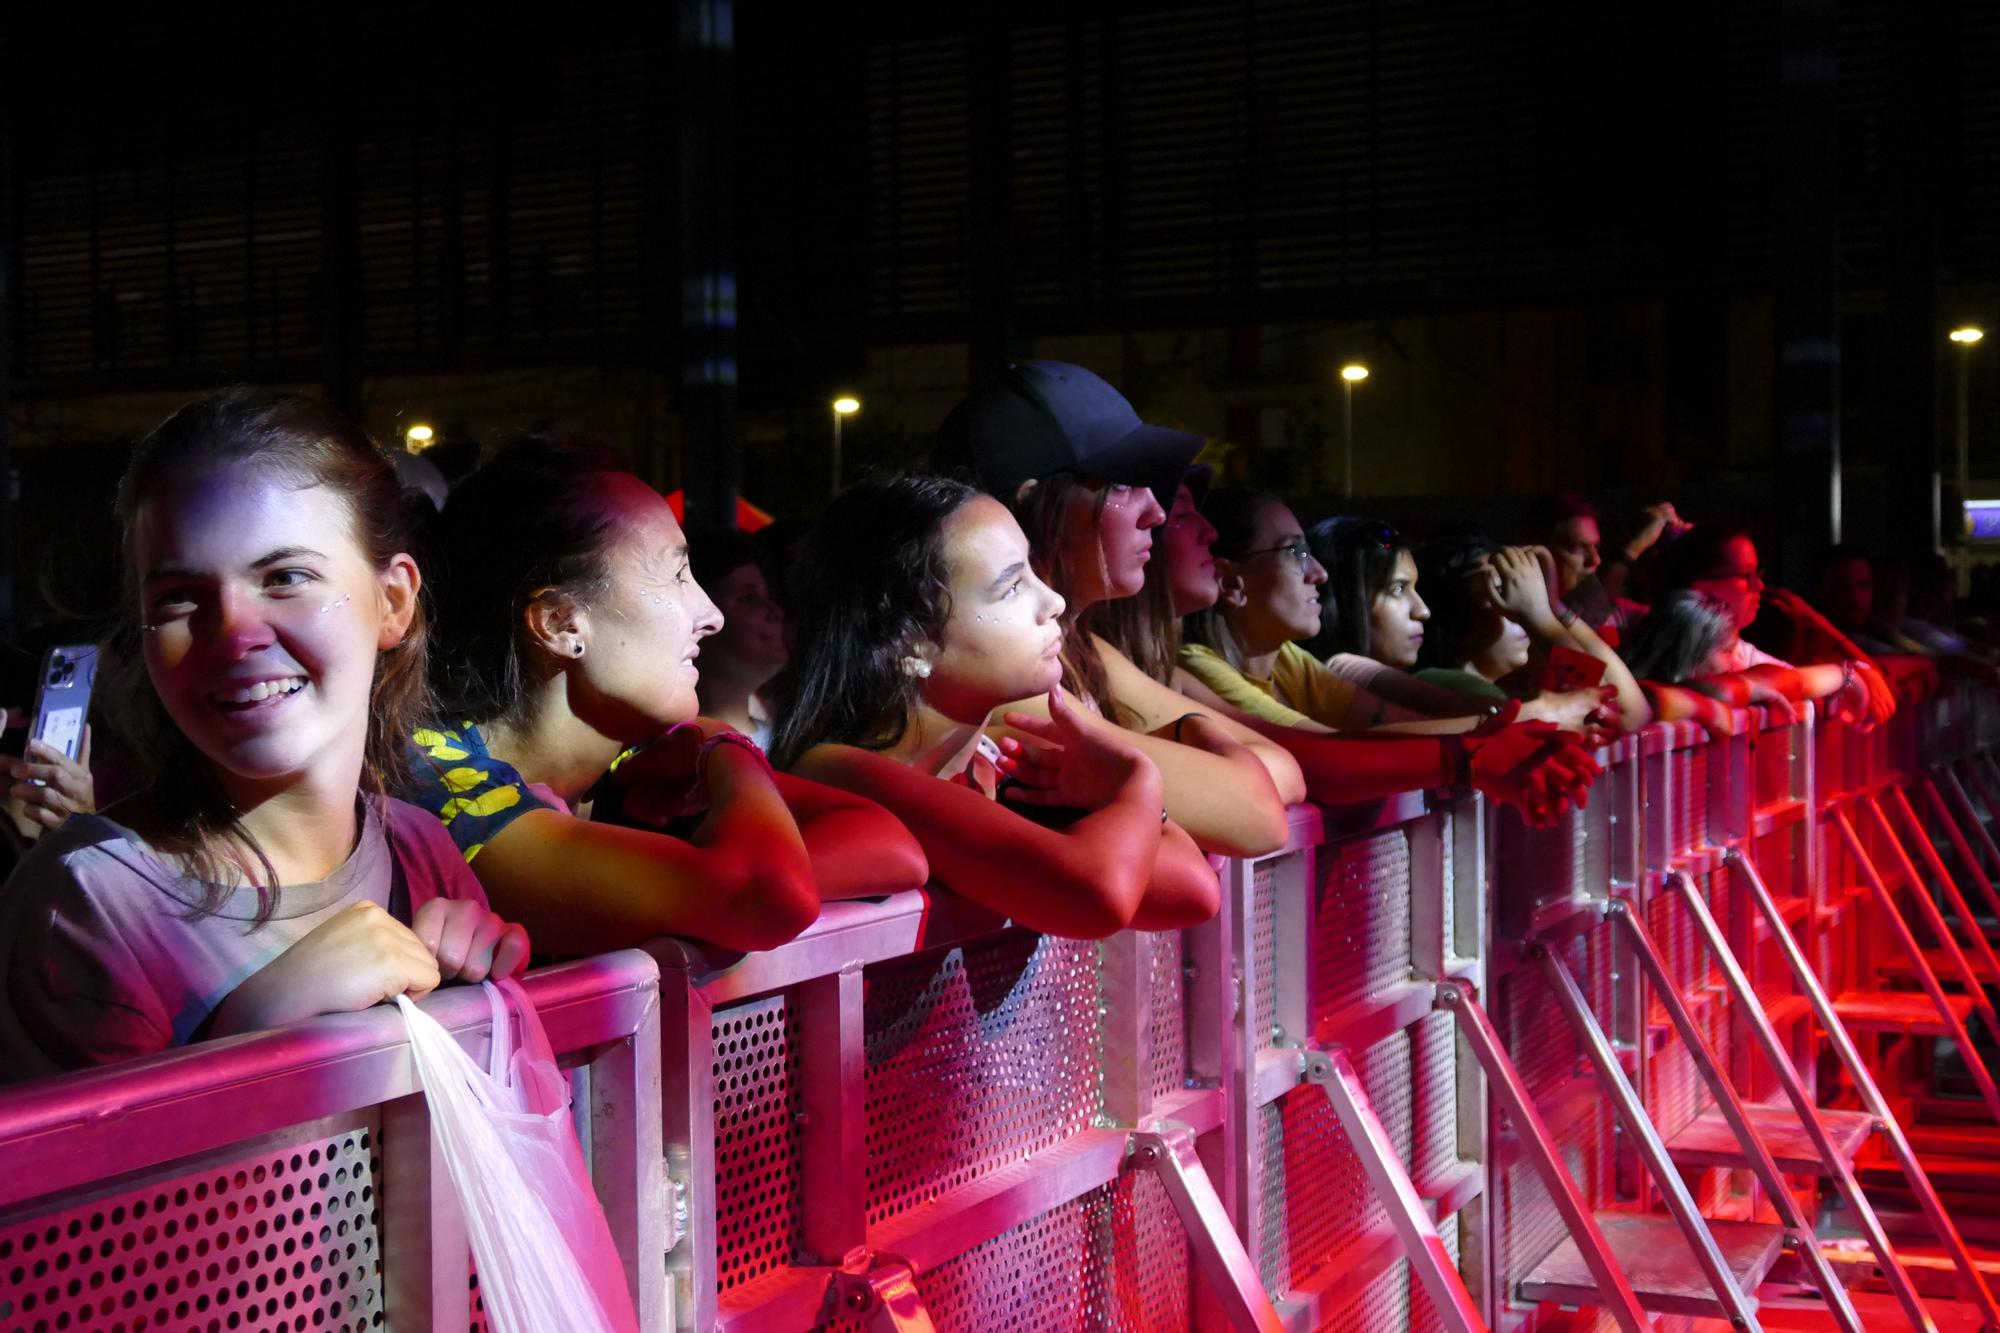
x=544 y=1253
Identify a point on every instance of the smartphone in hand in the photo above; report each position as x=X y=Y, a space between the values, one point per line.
x=62 y=699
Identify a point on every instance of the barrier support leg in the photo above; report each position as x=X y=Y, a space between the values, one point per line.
x=427 y=1257
x=1613 y=1288
x=1217 y=1251
x=1863 y=1080
x=1981 y=946
x=1804 y=1242
x=880 y=1292
x=1985 y=770
x=1907 y=940
x=1966 y=818
x=1645 y=1137
x=1334 y=1074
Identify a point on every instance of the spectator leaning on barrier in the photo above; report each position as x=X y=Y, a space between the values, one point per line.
x=1721 y=562
x=921 y=615
x=1491 y=606
x=1670 y=652
x=1089 y=483
x=272 y=642
x=568 y=630
x=1372 y=617
x=1533 y=768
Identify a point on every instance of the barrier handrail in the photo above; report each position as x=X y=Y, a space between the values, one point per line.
x=64 y=1131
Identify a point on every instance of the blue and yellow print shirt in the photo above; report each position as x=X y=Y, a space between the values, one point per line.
x=473 y=794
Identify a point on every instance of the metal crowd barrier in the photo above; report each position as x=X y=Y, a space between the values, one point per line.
x=287 y=1180
x=1428 y=1069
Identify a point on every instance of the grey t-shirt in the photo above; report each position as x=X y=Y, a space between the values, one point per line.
x=102 y=956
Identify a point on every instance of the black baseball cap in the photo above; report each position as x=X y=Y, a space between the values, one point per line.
x=1046 y=417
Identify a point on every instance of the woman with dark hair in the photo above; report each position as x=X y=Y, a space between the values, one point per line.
x=1669 y=654
x=1490 y=606
x=1372 y=617
x=921 y=615
x=567 y=632
x=1721 y=563
x=1243 y=647
x=741 y=658
x=270 y=655
x=1525 y=767
x=1090 y=483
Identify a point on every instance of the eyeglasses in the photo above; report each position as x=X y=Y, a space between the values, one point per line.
x=1295 y=548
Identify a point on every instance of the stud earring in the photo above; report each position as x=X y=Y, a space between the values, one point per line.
x=578 y=650
x=917 y=666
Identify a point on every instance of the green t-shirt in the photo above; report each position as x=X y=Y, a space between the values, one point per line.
x=1465 y=682
x=1300 y=688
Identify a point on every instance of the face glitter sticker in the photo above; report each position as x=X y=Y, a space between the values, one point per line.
x=343 y=600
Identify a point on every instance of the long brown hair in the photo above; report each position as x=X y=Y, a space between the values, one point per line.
x=1041 y=513
x=309 y=444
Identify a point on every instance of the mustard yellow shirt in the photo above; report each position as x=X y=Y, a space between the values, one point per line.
x=1299 y=689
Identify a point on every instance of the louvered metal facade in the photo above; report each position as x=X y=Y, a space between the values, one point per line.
x=1159 y=165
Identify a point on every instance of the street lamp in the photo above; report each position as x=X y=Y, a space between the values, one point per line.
x=419 y=437
x=1966 y=337
x=844 y=406
x=1350 y=375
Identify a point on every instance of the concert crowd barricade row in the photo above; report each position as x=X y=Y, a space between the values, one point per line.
x=1429 y=1068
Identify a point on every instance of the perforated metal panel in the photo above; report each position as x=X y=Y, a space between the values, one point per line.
x=1361 y=920
x=756 y=1138
x=1383 y=1304
x=1316 y=1207
x=1434 y=1102
x=1167 y=1070
x=1423 y=1315
x=1773 y=758
x=1691 y=797
x=1264 y=940
x=283 y=1237
x=1114 y=1260
x=976 y=1058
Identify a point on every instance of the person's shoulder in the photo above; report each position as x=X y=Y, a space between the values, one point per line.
x=431 y=860
x=84 y=848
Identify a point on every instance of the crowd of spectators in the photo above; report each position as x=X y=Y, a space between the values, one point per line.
x=365 y=747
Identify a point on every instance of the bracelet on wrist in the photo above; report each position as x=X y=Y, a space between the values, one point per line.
x=1180 y=722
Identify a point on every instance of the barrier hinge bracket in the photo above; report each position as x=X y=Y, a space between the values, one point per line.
x=878 y=1291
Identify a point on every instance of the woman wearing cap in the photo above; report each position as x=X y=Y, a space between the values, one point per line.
x=1089 y=482
x=920 y=617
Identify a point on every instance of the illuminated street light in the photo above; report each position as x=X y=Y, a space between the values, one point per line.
x=1965 y=336
x=844 y=406
x=1350 y=375
x=419 y=437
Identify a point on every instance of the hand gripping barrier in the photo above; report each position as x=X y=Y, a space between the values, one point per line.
x=287 y=1179
x=1428 y=1068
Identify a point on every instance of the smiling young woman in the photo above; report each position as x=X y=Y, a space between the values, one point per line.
x=273 y=648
